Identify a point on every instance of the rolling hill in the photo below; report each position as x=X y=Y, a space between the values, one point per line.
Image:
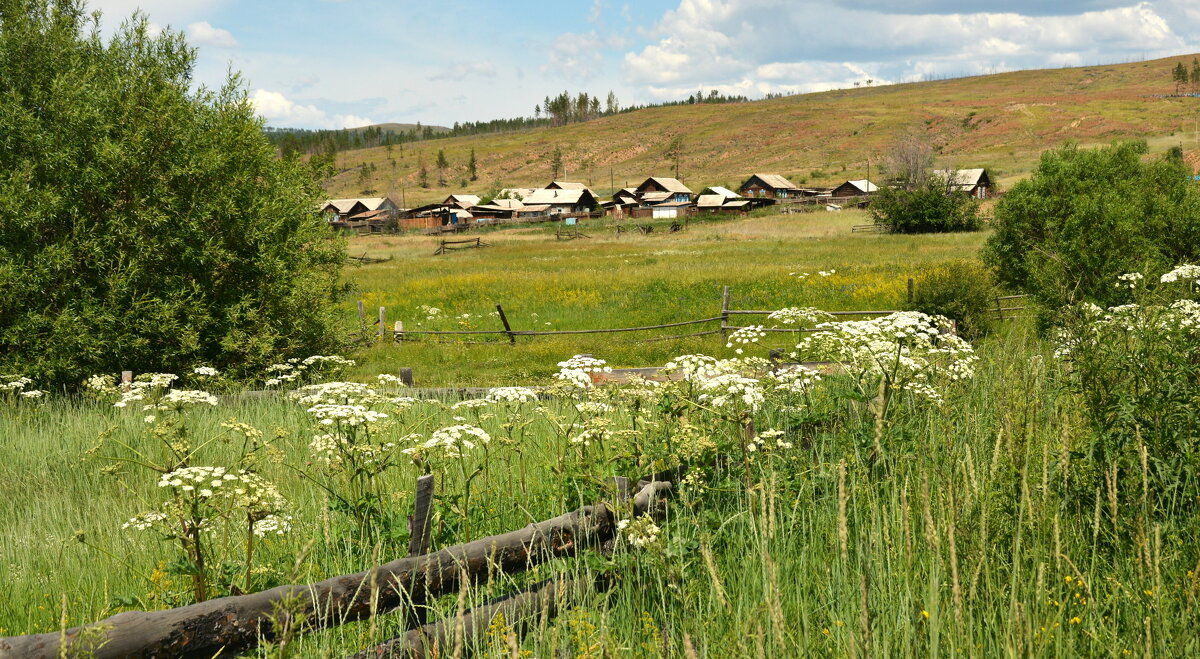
x=1001 y=121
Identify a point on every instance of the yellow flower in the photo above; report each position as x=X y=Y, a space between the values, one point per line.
x=1149 y=593
x=924 y=614
x=826 y=631
x=1076 y=620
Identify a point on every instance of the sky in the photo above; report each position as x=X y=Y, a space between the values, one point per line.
x=347 y=63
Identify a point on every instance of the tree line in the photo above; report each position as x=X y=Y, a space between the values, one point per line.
x=1185 y=79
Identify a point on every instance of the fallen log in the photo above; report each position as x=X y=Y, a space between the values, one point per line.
x=229 y=625
x=454 y=636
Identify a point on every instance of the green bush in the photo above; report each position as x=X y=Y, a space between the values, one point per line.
x=963 y=291
x=1087 y=216
x=145 y=225
x=928 y=208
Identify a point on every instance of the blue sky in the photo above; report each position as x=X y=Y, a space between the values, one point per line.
x=334 y=64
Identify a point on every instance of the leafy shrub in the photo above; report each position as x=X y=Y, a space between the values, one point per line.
x=928 y=208
x=1086 y=216
x=144 y=225
x=963 y=291
x=1135 y=372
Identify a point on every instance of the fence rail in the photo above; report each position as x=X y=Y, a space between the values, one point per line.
x=1000 y=307
x=722 y=322
x=450 y=245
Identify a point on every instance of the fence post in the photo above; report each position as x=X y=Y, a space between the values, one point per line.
x=725 y=313
x=398 y=331
x=382 y=322
x=512 y=338
x=126 y=380
x=362 y=316
x=910 y=290
x=419 y=528
x=999 y=308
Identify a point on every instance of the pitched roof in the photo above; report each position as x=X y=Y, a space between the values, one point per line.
x=669 y=184
x=468 y=199
x=710 y=201
x=724 y=192
x=961 y=177
x=515 y=193
x=345 y=205
x=565 y=185
x=652 y=197
x=507 y=203
x=776 y=181
x=558 y=197
x=863 y=185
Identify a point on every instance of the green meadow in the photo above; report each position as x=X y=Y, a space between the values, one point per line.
x=952 y=528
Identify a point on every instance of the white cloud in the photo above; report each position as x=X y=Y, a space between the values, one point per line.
x=804 y=45
x=576 y=56
x=283 y=112
x=204 y=34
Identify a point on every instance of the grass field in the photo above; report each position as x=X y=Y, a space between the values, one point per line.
x=931 y=529
x=630 y=280
x=1002 y=122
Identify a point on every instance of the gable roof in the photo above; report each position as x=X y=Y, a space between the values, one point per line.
x=346 y=205
x=653 y=197
x=967 y=178
x=560 y=197
x=774 y=181
x=862 y=185
x=669 y=184
x=565 y=185
x=710 y=201
x=514 y=193
x=462 y=199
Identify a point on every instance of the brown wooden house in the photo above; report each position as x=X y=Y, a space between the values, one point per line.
x=772 y=186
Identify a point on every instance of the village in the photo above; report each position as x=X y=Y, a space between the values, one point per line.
x=655 y=198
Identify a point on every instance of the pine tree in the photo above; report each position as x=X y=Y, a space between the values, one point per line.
x=442 y=164
x=471 y=166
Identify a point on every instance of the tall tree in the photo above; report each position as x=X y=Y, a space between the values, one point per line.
x=556 y=163
x=674 y=152
x=146 y=224
x=471 y=165
x=442 y=164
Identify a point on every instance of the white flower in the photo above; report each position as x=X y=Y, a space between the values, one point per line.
x=206 y=371
x=1129 y=279
x=471 y=404
x=450 y=442
x=745 y=336
x=512 y=395
x=732 y=391
x=32 y=393
x=350 y=415
x=144 y=521
x=273 y=525
x=336 y=393
x=640 y=533
x=1181 y=272
x=149 y=418
x=799 y=316
x=578 y=369
x=177 y=399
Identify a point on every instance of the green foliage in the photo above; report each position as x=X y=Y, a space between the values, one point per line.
x=144 y=225
x=1086 y=216
x=928 y=208
x=961 y=290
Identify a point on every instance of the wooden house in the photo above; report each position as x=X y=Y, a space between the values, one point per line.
x=770 y=186
x=855 y=188
x=974 y=182
x=463 y=201
x=674 y=189
x=344 y=209
x=563 y=202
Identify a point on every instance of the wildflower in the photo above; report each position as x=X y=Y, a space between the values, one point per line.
x=450 y=442
x=732 y=391
x=1075 y=621
x=1129 y=280
x=745 y=336
x=349 y=415
x=335 y=393
x=577 y=370
x=206 y=371
x=471 y=404
x=143 y=521
x=924 y=614
x=512 y=395
x=389 y=379
x=177 y=399
x=1181 y=272
x=640 y=533
x=799 y=316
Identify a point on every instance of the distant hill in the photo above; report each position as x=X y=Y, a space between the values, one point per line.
x=1001 y=121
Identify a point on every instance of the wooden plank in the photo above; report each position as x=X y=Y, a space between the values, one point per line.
x=507 y=328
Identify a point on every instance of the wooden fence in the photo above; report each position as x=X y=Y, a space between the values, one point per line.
x=719 y=324
x=451 y=245
x=228 y=626
x=1006 y=313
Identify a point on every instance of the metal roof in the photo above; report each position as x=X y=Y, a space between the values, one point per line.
x=724 y=192
x=959 y=178
x=863 y=185
x=710 y=201
x=557 y=197
x=565 y=185
x=344 y=205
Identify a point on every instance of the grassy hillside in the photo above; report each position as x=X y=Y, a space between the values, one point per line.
x=1000 y=121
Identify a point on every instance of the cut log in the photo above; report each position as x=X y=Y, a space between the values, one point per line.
x=229 y=625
